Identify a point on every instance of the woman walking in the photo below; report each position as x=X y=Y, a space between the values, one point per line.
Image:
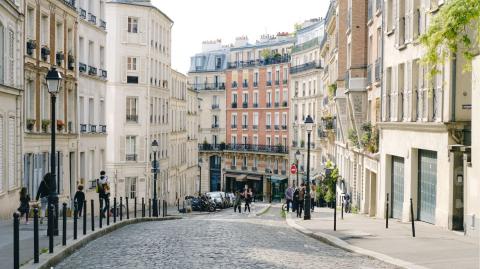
x=238 y=202
x=24 y=208
x=43 y=192
x=248 y=199
x=79 y=198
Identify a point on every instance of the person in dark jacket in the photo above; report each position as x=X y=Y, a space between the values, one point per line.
x=43 y=192
x=24 y=208
x=295 y=199
x=301 y=198
x=79 y=198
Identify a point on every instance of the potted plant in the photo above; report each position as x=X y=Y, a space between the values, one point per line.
x=60 y=125
x=45 y=52
x=71 y=61
x=31 y=45
x=30 y=124
x=302 y=144
x=45 y=124
x=59 y=57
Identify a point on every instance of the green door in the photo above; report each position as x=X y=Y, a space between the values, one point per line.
x=397 y=187
x=427 y=185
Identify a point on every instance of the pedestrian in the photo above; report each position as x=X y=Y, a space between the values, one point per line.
x=289 y=197
x=296 y=192
x=248 y=199
x=312 y=196
x=79 y=198
x=24 y=208
x=103 y=190
x=301 y=198
x=238 y=202
x=42 y=194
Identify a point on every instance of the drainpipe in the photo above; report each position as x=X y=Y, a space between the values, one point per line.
x=453 y=87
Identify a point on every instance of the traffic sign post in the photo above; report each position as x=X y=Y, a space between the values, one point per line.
x=293 y=169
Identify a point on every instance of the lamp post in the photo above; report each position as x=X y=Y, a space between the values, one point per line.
x=297 y=158
x=200 y=181
x=309 y=127
x=155 y=171
x=223 y=184
x=53 y=79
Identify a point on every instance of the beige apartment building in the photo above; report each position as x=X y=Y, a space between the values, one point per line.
x=306 y=98
x=426 y=122
x=51 y=31
x=11 y=102
x=192 y=119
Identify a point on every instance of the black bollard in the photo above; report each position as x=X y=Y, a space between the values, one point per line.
x=184 y=211
x=51 y=209
x=100 y=215
x=143 y=207
x=166 y=209
x=126 y=204
x=412 y=217
x=84 y=217
x=75 y=219
x=114 y=209
x=108 y=211
x=342 y=208
x=159 y=207
x=149 y=208
x=386 y=214
x=16 y=241
x=135 y=208
x=93 y=214
x=335 y=213
x=36 y=252
x=121 y=208
x=64 y=226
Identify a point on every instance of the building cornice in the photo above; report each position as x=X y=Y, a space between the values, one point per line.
x=414 y=126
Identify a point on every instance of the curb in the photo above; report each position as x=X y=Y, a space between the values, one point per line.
x=49 y=260
x=261 y=212
x=339 y=243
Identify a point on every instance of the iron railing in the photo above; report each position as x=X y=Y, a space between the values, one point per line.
x=260 y=62
x=378 y=69
x=208 y=86
x=304 y=67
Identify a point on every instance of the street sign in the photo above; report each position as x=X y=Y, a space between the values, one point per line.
x=293 y=169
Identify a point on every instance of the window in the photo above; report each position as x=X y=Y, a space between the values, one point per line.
x=2 y=143
x=255 y=98
x=2 y=41
x=11 y=153
x=269 y=119
x=234 y=119
x=132 y=64
x=244 y=161
x=390 y=15
x=132 y=25
x=245 y=119
x=255 y=118
x=131 y=187
x=130 y=148
x=234 y=98
x=30 y=100
x=234 y=161
x=131 y=107
x=277 y=118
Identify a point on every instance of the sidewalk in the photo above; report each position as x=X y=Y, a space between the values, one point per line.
x=432 y=247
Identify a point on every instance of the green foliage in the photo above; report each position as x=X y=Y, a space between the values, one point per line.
x=353 y=137
x=296 y=27
x=266 y=53
x=329 y=196
x=332 y=90
x=455 y=29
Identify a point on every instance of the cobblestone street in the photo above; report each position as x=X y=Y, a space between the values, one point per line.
x=218 y=240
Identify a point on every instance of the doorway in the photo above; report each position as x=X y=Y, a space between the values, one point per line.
x=372 y=211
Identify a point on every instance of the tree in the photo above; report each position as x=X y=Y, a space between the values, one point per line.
x=455 y=29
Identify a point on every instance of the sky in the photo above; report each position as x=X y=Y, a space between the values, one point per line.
x=199 y=20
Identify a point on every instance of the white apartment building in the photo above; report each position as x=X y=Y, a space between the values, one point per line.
x=425 y=124
x=51 y=40
x=11 y=94
x=92 y=85
x=306 y=97
x=138 y=93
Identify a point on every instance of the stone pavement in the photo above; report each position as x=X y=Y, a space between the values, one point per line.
x=432 y=247
x=222 y=240
x=26 y=234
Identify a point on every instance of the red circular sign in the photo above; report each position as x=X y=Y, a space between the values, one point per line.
x=293 y=169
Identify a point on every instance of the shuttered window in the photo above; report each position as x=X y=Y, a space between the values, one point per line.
x=11 y=153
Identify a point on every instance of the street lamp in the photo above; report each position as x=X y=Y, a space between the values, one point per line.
x=309 y=127
x=297 y=158
x=155 y=171
x=53 y=79
x=223 y=187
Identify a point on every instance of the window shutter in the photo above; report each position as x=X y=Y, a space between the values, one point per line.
x=396 y=17
x=141 y=148
x=11 y=153
x=122 y=146
x=143 y=70
x=123 y=69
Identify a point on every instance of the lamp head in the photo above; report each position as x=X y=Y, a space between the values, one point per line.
x=155 y=146
x=53 y=79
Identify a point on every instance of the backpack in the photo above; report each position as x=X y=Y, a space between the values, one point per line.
x=99 y=188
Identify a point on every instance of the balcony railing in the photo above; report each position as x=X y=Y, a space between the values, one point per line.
x=256 y=148
x=234 y=105
x=209 y=86
x=233 y=167
x=278 y=59
x=275 y=171
x=103 y=128
x=255 y=84
x=304 y=46
x=369 y=75
x=83 y=128
x=277 y=127
x=234 y=126
x=277 y=104
x=245 y=84
x=82 y=67
x=285 y=82
x=215 y=106
x=214 y=126
x=277 y=82
x=304 y=67
x=269 y=83
x=132 y=118
x=294 y=144
x=255 y=127
x=284 y=127
x=92 y=18
x=269 y=104
x=83 y=14
x=103 y=73
x=92 y=70
x=93 y=128
x=131 y=157
x=244 y=126
x=268 y=126
x=244 y=168
x=103 y=24
x=284 y=103
x=234 y=84
x=255 y=104
x=245 y=105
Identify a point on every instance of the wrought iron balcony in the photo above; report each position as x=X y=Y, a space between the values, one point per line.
x=132 y=118
x=103 y=24
x=130 y=157
x=103 y=73
x=234 y=105
x=294 y=144
x=244 y=126
x=234 y=84
x=277 y=82
x=255 y=105
x=103 y=128
x=268 y=126
x=82 y=67
x=245 y=84
x=277 y=59
x=269 y=83
x=275 y=171
x=285 y=82
x=277 y=127
x=245 y=105
x=92 y=70
x=215 y=106
x=284 y=127
x=255 y=127
x=269 y=104
x=277 y=104
x=244 y=167
x=233 y=167
x=304 y=67
x=255 y=84
x=92 y=18
x=93 y=128
x=83 y=13
x=256 y=148
x=208 y=86
x=83 y=128
x=284 y=103
x=284 y=172
x=234 y=126
x=214 y=126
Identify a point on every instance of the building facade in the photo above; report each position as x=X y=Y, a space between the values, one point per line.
x=306 y=97
x=257 y=94
x=192 y=172
x=51 y=31
x=425 y=123
x=138 y=94
x=11 y=100
x=92 y=85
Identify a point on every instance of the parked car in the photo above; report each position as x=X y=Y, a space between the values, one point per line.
x=217 y=198
x=231 y=198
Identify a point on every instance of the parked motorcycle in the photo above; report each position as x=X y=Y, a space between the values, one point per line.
x=202 y=204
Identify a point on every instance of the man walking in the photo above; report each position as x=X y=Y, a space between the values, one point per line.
x=301 y=198
x=103 y=190
x=289 y=197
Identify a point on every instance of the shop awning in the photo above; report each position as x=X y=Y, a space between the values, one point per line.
x=278 y=178
x=241 y=177
x=254 y=178
x=231 y=175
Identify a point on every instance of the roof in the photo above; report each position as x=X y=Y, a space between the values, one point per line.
x=146 y=3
